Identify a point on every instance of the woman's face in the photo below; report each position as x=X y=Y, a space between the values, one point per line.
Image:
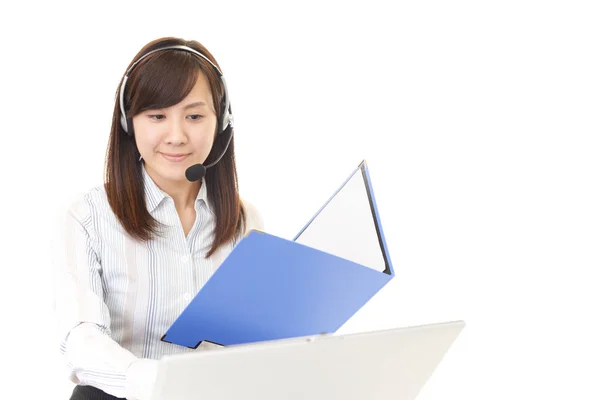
x=172 y=139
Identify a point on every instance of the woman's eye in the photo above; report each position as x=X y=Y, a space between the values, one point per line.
x=159 y=117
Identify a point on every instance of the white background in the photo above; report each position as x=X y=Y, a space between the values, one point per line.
x=479 y=122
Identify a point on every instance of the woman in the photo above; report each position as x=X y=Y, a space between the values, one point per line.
x=142 y=245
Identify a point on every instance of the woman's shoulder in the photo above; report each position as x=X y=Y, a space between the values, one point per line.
x=254 y=218
x=87 y=203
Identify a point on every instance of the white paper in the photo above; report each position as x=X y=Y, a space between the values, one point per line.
x=345 y=227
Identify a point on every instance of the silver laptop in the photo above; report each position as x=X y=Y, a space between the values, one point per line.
x=385 y=364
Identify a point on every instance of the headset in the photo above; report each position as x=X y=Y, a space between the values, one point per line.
x=225 y=123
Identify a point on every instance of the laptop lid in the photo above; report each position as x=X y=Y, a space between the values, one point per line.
x=386 y=364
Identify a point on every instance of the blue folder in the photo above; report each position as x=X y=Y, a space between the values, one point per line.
x=271 y=288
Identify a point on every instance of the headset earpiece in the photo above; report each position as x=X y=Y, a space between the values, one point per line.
x=227 y=120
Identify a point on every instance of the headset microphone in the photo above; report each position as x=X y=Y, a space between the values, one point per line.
x=197 y=171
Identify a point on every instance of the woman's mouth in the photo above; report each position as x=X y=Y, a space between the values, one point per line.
x=174 y=157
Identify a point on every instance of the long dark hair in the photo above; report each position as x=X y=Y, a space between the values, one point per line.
x=161 y=80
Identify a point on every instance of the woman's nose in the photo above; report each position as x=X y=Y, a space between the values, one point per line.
x=176 y=132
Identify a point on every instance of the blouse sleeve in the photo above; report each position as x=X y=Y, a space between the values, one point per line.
x=91 y=355
x=254 y=218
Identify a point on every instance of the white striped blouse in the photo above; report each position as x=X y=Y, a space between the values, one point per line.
x=116 y=297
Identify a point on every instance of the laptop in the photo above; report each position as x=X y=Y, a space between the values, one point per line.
x=385 y=364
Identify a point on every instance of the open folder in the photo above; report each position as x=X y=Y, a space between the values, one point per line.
x=271 y=288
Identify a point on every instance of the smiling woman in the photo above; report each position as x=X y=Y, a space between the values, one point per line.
x=141 y=245
x=172 y=139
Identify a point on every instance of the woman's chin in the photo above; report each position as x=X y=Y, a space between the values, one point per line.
x=172 y=172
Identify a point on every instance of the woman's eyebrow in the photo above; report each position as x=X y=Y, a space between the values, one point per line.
x=195 y=104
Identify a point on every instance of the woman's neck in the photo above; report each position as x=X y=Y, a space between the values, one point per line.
x=182 y=192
